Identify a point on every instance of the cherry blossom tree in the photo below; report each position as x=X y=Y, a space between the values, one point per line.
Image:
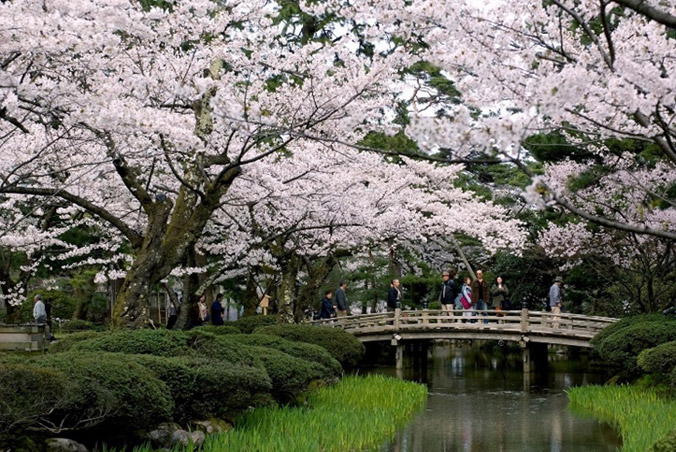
x=592 y=72
x=144 y=117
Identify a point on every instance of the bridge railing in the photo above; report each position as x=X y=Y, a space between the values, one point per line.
x=523 y=321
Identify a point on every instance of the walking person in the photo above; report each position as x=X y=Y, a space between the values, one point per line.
x=481 y=295
x=448 y=291
x=466 y=298
x=341 y=300
x=326 y=311
x=40 y=316
x=217 y=311
x=202 y=307
x=499 y=293
x=394 y=296
x=556 y=301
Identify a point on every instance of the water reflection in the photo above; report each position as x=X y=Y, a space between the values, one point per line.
x=481 y=402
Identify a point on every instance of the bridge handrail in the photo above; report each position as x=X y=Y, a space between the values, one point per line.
x=514 y=321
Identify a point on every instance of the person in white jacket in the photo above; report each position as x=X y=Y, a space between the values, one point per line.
x=39 y=311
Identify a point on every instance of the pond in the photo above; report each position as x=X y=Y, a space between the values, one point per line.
x=481 y=401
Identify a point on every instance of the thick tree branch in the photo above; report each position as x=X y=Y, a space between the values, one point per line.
x=134 y=237
x=645 y=9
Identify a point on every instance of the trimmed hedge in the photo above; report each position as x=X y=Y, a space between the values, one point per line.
x=660 y=359
x=29 y=393
x=624 y=323
x=622 y=348
x=220 y=348
x=341 y=345
x=309 y=352
x=66 y=342
x=106 y=393
x=247 y=325
x=73 y=326
x=290 y=376
x=143 y=342
x=218 y=329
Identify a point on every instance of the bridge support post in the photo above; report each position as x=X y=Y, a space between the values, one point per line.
x=399 y=357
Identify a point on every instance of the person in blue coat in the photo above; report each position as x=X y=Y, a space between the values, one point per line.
x=327 y=311
x=217 y=310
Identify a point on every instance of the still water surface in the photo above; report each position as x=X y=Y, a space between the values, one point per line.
x=481 y=402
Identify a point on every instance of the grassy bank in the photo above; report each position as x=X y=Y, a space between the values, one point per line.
x=641 y=415
x=357 y=414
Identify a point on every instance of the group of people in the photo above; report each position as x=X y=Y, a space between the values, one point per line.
x=470 y=297
x=201 y=314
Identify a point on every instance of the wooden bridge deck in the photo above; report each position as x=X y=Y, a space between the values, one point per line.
x=521 y=326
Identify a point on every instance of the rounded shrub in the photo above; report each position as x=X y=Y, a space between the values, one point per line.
x=73 y=326
x=160 y=342
x=201 y=388
x=623 y=323
x=344 y=347
x=29 y=393
x=290 y=376
x=66 y=342
x=218 y=329
x=660 y=359
x=219 y=348
x=302 y=350
x=247 y=325
x=108 y=392
x=622 y=348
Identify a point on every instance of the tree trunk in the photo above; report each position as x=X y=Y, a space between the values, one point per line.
x=251 y=299
x=288 y=290
x=317 y=273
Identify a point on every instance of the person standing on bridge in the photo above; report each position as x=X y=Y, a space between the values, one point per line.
x=326 y=311
x=394 y=296
x=481 y=294
x=556 y=300
x=341 y=300
x=448 y=290
x=500 y=292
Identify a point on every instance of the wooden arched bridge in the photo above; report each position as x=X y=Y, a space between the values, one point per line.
x=528 y=328
x=521 y=326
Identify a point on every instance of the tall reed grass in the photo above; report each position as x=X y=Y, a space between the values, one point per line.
x=641 y=415
x=357 y=414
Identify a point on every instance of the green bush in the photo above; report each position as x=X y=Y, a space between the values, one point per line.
x=623 y=323
x=290 y=376
x=66 y=342
x=201 y=388
x=144 y=342
x=660 y=359
x=73 y=326
x=29 y=393
x=218 y=329
x=309 y=352
x=220 y=348
x=341 y=345
x=248 y=324
x=622 y=348
x=107 y=392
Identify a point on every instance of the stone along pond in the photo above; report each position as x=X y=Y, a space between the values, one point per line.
x=481 y=401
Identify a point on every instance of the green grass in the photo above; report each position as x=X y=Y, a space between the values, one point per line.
x=641 y=414
x=357 y=414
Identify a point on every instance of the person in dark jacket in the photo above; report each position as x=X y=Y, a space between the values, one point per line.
x=217 y=310
x=394 y=296
x=481 y=294
x=326 y=311
x=448 y=290
x=500 y=292
x=341 y=300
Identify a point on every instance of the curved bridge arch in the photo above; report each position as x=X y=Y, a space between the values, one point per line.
x=519 y=326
